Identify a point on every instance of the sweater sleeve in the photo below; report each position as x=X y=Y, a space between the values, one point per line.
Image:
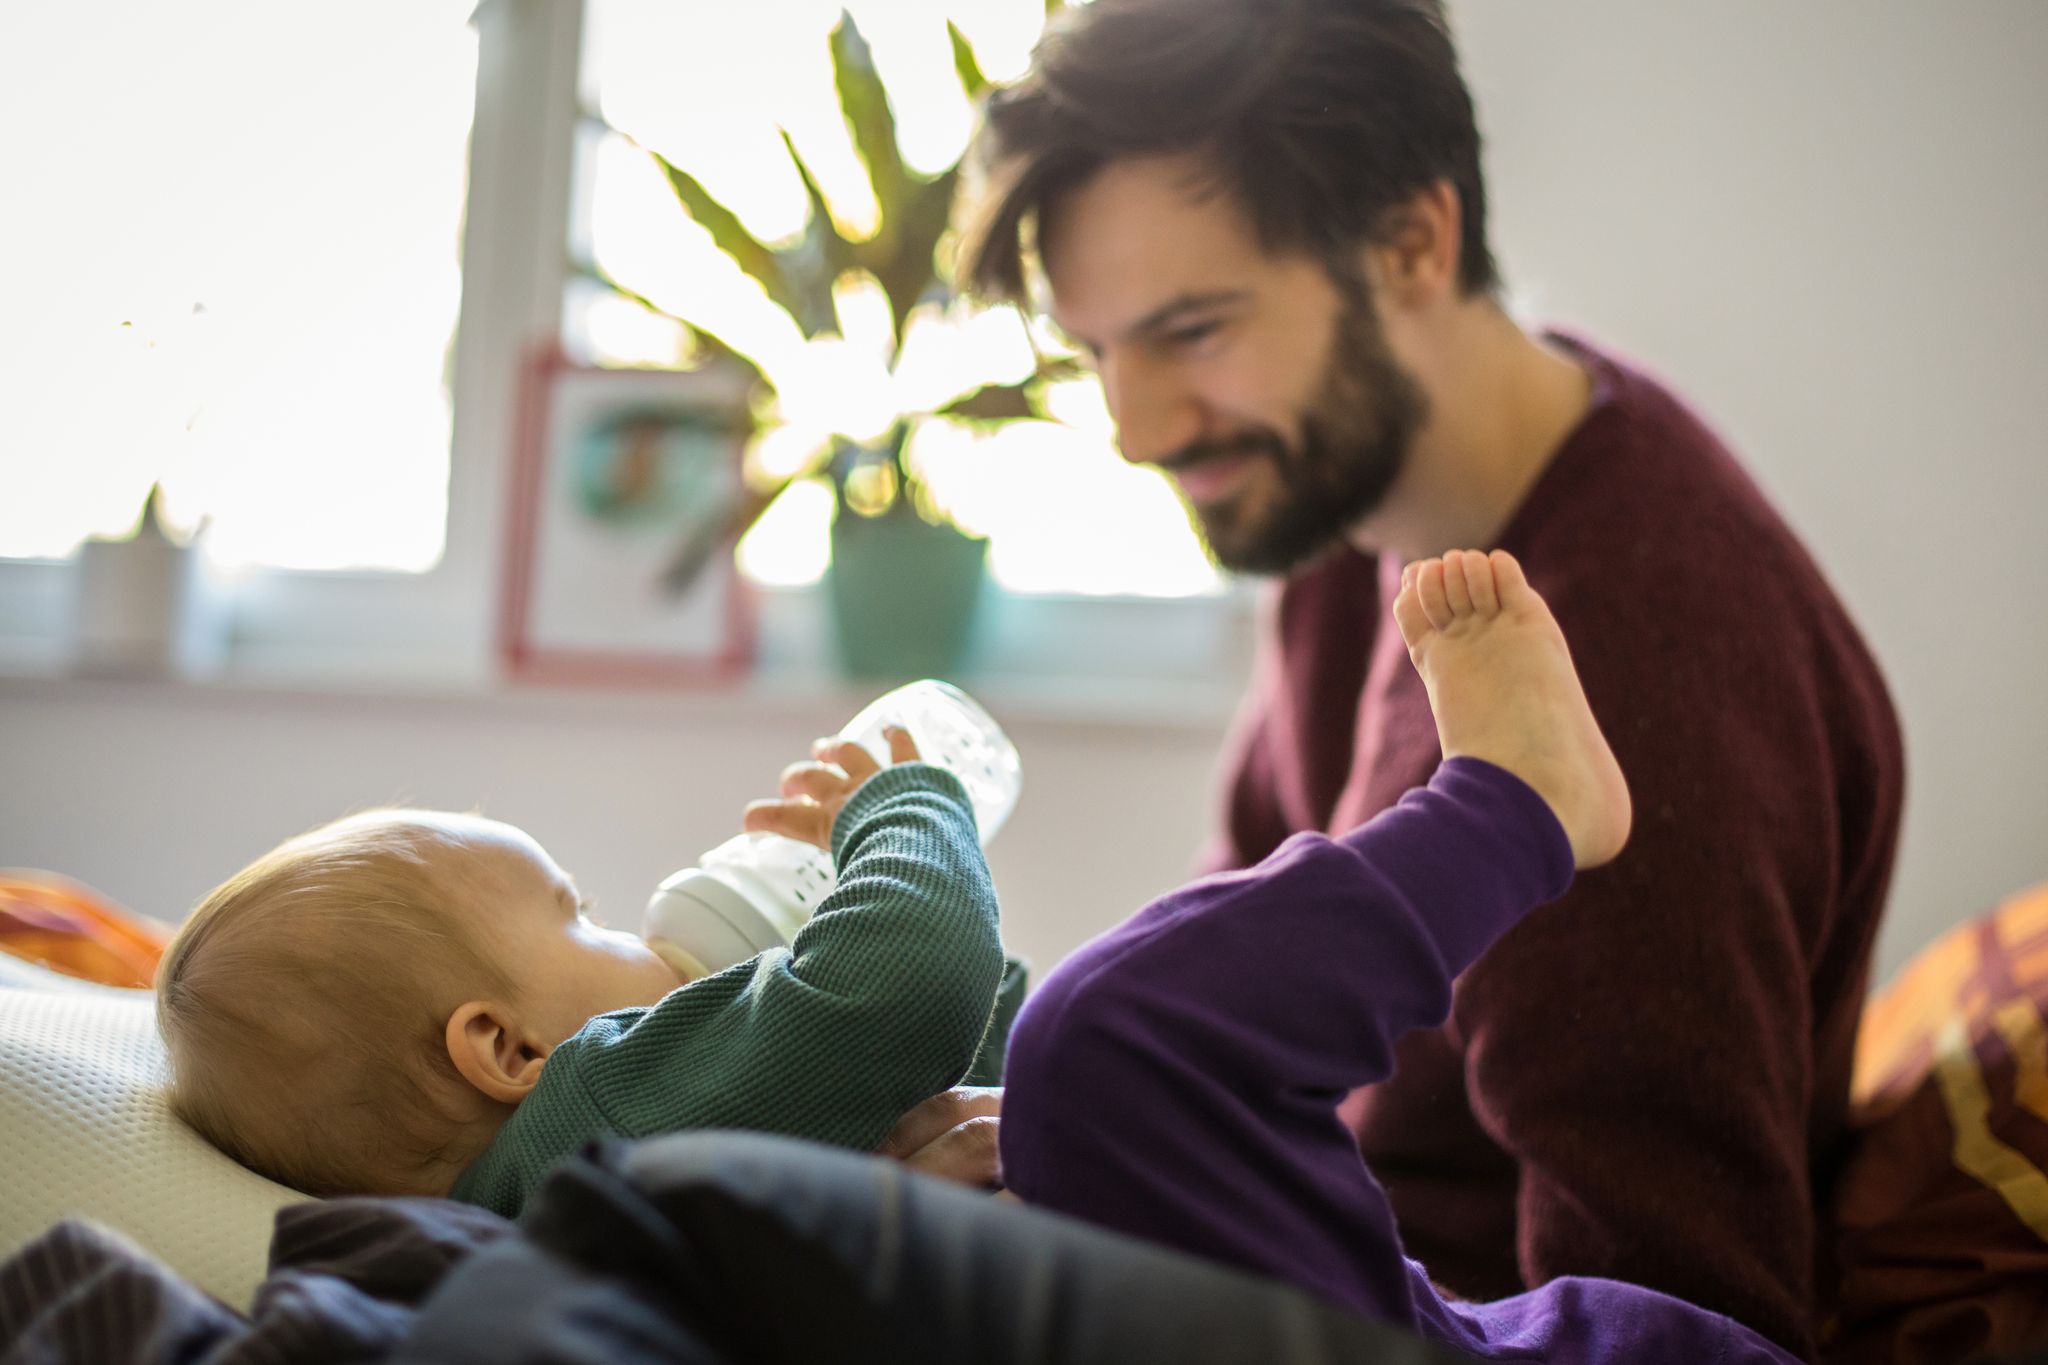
x=995 y=1044
x=882 y=1000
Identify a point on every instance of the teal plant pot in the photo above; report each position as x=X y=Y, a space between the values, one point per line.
x=905 y=594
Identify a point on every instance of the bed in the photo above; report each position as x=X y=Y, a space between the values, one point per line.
x=128 y=1239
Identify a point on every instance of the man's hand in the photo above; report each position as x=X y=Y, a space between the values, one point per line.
x=813 y=791
x=952 y=1135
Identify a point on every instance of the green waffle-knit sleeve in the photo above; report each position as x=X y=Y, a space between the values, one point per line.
x=883 y=999
x=988 y=1063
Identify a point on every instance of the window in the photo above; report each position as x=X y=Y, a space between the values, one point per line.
x=221 y=286
x=309 y=251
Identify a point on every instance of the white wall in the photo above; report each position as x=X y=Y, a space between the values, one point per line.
x=154 y=794
x=1824 y=220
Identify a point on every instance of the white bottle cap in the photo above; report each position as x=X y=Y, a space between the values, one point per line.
x=707 y=921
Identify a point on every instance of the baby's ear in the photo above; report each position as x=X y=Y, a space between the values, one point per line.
x=492 y=1052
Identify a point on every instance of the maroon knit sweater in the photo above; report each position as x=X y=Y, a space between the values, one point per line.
x=1648 y=1079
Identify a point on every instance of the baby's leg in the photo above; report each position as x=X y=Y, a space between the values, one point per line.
x=1502 y=688
x=1177 y=1079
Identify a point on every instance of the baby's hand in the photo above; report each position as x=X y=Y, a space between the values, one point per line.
x=813 y=792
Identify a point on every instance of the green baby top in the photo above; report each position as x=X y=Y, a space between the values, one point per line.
x=883 y=1000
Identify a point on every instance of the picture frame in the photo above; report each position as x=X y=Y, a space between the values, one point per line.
x=626 y=497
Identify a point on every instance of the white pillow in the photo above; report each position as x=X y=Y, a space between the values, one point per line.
x=86 y=1131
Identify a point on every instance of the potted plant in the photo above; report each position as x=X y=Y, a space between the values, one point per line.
x=141 y=602
x=140 y=606
x=904 y=579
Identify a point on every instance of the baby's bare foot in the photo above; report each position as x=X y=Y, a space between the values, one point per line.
x=1502 y=686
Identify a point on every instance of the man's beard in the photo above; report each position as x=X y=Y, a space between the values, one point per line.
x=1355 y=438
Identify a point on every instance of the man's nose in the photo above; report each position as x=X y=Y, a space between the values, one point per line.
x=1155 y=417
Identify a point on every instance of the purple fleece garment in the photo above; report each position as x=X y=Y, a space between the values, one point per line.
x=1177 y=1079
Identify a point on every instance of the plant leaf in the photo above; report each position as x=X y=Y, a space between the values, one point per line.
x=994 y=403
x=730 y=235
x=821 y=258
x=838 y=247
x=865 y=103
x=971 y=78
x=904 y=260
x=1052 y=368
x=712 y=346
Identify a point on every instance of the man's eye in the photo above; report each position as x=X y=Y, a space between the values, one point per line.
x=1189 y=336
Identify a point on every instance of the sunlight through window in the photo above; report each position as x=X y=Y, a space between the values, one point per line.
x=234 y=270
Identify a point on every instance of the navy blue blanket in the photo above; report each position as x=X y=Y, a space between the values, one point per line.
x=700 y=1248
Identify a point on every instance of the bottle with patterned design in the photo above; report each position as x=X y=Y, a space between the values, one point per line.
x=755 y=891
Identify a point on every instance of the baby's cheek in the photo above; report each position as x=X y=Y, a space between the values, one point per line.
x=657 y=974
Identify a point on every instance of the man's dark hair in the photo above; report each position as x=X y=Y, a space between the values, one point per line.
x=1317 y=117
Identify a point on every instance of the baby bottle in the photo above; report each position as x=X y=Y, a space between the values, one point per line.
x=754 y=891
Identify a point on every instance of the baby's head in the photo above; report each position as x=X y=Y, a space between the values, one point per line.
x=358 y=1010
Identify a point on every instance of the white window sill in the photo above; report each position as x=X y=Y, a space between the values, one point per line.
x=1129 y=662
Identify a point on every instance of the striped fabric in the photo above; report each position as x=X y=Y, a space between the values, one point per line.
x=1942 y=1211
x=346 y=1275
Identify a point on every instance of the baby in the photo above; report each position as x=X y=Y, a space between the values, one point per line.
x=415 y=1002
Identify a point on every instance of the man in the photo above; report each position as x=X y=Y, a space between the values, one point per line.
x=1265 y=221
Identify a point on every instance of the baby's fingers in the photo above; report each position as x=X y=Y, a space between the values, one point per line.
x=902 y=748
x=803 y=820
x=852 y=759
x=815 y=781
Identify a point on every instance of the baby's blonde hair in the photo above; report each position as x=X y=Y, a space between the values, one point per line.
x=304 y=1005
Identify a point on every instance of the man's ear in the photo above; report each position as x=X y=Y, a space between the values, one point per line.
x=1414 y=259
x=492 y=1052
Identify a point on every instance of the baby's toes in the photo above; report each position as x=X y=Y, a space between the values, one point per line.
x=1479 y=582
x=1408 y=613
x=1429 y=587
